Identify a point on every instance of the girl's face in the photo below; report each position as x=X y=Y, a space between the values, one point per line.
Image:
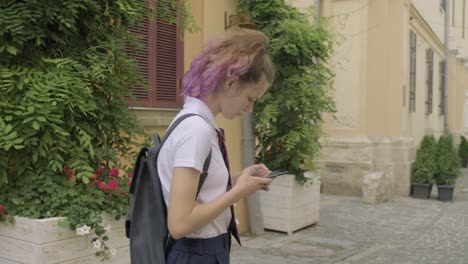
x=237 y=98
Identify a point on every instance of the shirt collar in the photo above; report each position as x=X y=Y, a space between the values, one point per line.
x=197 y=106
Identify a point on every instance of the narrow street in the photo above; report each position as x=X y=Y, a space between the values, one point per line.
x=402 y=231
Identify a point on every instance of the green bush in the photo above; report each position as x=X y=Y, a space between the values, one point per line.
x=64 y=124
x=447 y=161
x=424 y=167
x=63 y=76
x=287 y=119
x=463 y=151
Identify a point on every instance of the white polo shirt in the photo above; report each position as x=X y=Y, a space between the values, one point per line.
x=188 y=146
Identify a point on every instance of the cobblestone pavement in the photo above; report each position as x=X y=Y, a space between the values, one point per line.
x=402 y=231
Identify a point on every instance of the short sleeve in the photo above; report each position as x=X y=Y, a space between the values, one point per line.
x=193 y=143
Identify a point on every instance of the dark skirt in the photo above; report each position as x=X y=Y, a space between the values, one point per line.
x=213 y=250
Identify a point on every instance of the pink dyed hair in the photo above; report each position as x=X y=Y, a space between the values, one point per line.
x=237 y=52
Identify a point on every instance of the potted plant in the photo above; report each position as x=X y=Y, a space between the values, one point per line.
x=463 y=151
x=422 y=171
x=447 y=167
x=64 y=127
x=287 y=118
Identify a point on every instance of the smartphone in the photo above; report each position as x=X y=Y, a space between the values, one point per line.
x=276 y=173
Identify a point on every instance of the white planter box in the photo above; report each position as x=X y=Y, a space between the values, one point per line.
x=288 y=207
x=42 y=241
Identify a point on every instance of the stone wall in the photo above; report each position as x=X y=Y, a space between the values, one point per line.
x=344 y=162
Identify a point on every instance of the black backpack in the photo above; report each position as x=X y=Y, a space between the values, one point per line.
x=146 y=223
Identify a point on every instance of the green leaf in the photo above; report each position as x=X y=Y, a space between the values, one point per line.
x=11 y=49
x=17 y=201
x=7 y=129
x=36 y=125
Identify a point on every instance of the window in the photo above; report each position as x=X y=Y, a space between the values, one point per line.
x=412 y=81
x=160 y=62
x=463 y=26
x=429 y=79
x=453 y=12
x=442 y=66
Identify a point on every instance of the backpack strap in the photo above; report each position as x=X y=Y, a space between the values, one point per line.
x=157 y=146
x=206 y=164
x=204 y=174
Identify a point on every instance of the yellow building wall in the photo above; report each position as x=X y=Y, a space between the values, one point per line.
x=371 y=61
x=373 y=129
x=384 y=62
x=456 y=93
x=349 y=89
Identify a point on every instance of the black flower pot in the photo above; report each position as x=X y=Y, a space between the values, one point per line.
x=445 y=192
x=421 y=190
x=464 y=163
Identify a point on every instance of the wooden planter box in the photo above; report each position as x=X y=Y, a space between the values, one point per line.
x=42 y=241
x=288 y=207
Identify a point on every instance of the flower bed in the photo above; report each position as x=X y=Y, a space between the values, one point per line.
x=81 y=232
x=45 y=241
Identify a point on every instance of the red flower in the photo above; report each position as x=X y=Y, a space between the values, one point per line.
x=111 y=185
x=2 y=210
x=69 y=171
x=101 y=185
x=71 y=174
x=99 y=170
x=129 y=183
x=130 y=175
x=114 y=172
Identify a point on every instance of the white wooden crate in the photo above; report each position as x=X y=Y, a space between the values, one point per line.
x=42 y=241
x=288 y=207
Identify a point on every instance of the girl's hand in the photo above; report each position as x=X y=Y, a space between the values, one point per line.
x=252 y=179
x=260 y=170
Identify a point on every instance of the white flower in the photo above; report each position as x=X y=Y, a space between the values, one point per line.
x=113 y=251
x=96 y=243
x=84 y=230
x=107 y=228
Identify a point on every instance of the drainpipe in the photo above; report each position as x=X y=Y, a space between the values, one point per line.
x=248 y=158
x=446 y=43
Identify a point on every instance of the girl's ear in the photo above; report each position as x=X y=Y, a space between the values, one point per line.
x=231 y=85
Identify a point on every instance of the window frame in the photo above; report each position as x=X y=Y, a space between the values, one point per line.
x=429 y=80
x=412 y=72
x=161 y=62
